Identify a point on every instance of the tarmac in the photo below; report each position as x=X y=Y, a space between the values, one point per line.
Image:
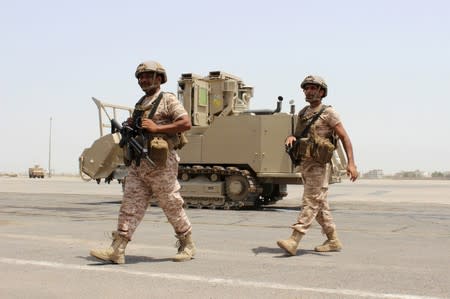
x=396 y=237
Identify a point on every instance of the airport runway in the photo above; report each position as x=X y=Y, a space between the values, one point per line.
x=396 y=237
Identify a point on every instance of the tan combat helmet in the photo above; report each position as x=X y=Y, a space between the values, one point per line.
x=151 y=66
x=316 y=80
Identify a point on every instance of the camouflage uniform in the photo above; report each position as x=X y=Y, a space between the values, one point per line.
x=147 y=181
x=315 y=179
x=314 y=151
x=159 y=180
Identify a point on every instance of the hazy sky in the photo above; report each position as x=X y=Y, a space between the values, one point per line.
x=387 y=65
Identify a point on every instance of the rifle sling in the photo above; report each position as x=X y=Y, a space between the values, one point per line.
x=311 y=121
x=155 y=105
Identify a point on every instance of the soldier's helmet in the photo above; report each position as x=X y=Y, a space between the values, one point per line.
x=316 y=80
x=151 y=66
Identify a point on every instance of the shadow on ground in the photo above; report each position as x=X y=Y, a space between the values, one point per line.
x=129 y=259
x=281 y=253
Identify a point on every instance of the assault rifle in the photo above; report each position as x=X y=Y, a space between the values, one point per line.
x=135 y=150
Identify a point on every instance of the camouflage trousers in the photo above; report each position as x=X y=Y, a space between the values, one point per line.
x=144 y=182
x=314 y=201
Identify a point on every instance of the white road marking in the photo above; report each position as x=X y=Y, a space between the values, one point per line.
x=211 y=280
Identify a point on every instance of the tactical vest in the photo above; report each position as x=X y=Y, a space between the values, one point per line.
x=309 y=145
x=159 y=144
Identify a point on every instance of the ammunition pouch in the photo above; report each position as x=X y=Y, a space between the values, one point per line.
x=299 y=150
x=304 y=148
x=159 y=150
x=158 y=146
x=129 y=155
x=314 y=148
x=176 y=141
x=161 y=144
x=322 y=150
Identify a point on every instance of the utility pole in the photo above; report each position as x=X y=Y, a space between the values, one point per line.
x=50 y=151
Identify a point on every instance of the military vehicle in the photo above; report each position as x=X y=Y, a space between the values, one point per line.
x=234 y=157
x=36 y=172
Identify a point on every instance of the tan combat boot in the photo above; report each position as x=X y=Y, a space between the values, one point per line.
x=186 y=248
x=291 y=244
x=331 y=244
x=115 y=253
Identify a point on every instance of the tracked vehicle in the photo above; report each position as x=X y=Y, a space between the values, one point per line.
x=235 y=156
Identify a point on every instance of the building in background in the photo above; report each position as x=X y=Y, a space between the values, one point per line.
x=374 y=174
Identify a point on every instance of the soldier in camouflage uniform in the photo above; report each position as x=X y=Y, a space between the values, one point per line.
x=159 y=181
x=316 y=175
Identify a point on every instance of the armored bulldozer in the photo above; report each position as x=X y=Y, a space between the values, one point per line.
x=36 y=172
x=234 y=157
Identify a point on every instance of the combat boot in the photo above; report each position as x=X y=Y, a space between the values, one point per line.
x=331 y=244
x=115 y=253
x=291 y=244
x=186 y=248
